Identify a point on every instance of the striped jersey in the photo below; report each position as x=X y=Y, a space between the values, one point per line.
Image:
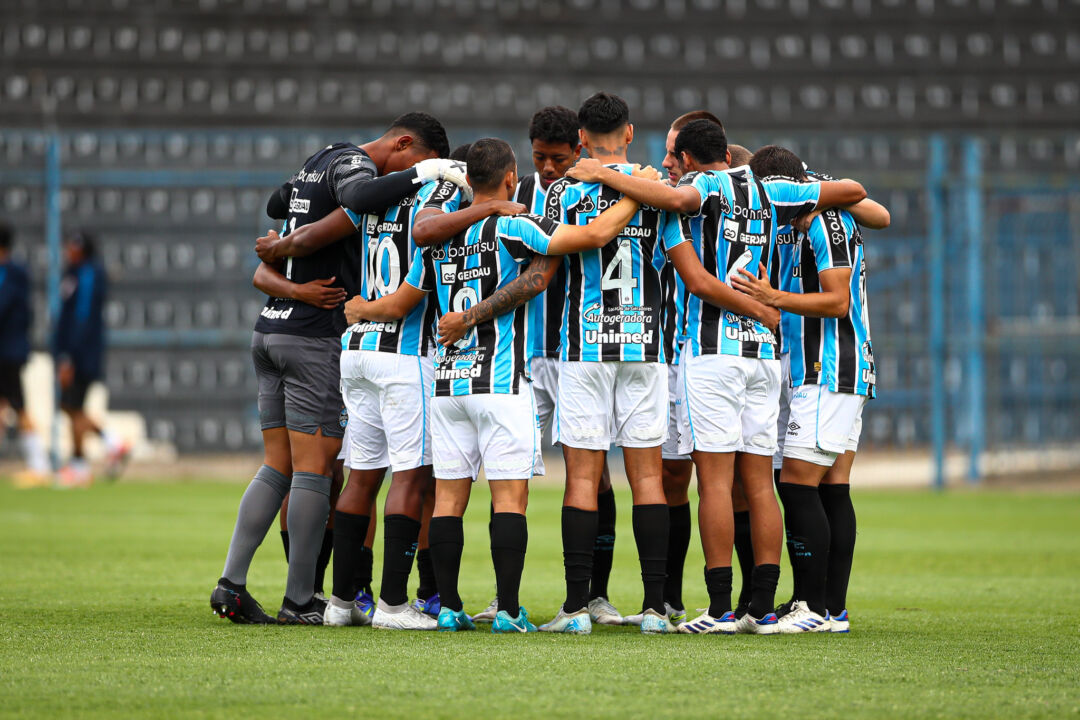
x=835 y=352
x=613 y=307
x=385 y=258
x=674 y=291
x=740 y=215
x=466 y=270
x=548 y=310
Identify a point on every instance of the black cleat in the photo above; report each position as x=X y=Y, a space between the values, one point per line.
x=785 y=608
x=310 y=614
x=238 y=606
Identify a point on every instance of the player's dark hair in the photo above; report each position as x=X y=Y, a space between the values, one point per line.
x=460 y=152
x=739 y=155
x=555 y=124
x=776 y=160
x=704 y=140
x=489 y=160
x=603 y=113
x=425 y=129
x=84 y=241
x=684 y=120
x=5 y=236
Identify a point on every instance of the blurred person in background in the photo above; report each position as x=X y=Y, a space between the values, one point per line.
x=79 y=352
x=15 y=317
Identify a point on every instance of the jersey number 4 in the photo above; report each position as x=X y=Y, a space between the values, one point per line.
x=624 y=281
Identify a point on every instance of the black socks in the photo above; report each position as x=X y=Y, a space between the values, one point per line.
x=509 y=539
x=363 y=577
x=400 y=533
x=808 y=542
x=324 y=558
x=836 y=499
x=744 y=550
x=604 y=547
x=446 y=540
x=285 y=543
x=718 y=585
x=763 y=581
x=348 y=538
x=425 y=569
x=678 y=544
x=651 y=526
x=579 y=537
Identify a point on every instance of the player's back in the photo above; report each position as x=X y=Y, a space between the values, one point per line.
x=548 y=311
x=313 y=197
x=613 y=305
x=468 y=269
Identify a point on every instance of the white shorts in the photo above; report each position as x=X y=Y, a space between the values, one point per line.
x=497 y=430
x=670 y=449
x=730 y=404
x=785 y=410
x=545 y=385
x=604 y=402
x=824 y=424
x=388 y=399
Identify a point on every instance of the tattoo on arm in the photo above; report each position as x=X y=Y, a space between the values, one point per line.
x=517 y=292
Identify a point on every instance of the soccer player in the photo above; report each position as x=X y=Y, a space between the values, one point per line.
x=830 y=366
x=729 y=371
x=79 y=352
x=15 y=314
x=296 y=351
x=612 y=385
x=482 y=412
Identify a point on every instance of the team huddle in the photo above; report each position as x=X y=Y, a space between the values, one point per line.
x=432 y=313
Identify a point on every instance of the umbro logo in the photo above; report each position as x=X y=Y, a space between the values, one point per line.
x=794 y=427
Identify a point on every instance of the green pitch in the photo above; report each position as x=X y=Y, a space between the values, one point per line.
x=963 y=605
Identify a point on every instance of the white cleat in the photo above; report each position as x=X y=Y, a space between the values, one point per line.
x=602 y=612
x=653 y=623
x=674 y=616
x=750 y=625
x=488 y=614
x=634 y=619
x=401 y=617
x=838 y=623
x=802 y=619
x=706 y=624
x=577 y=623
x=339 y=613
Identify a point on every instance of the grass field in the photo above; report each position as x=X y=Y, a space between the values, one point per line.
x=963 y=605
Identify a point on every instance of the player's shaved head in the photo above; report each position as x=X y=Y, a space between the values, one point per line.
x=555 y=124
x=425 y=130
x=489 y=159
x=687 y=118
x=704 y=141
x=460 y=152
x=739 y=155
x=603 y=113
x=776 y=160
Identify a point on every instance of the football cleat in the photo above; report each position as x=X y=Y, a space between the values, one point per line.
x=741 y=609
x=366 y=605
x=505 y=624
x=634 y=619
x=653 y=623
x=676 y=616
x=341 y=612
x=750 y=625
x=401 y=617
x=309 y=614
x=602 y=612
x=706 y=624
x=488 y=613
x=576 y=623
x=431 y=606
x=238 y=606
x=838 y=623
x=802 y=619
x=116 y=459
x=453 y=620
x=784 y=608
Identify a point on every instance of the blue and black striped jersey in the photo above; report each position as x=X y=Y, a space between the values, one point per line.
x=548 y=309
x=675 y=293
x=385 y=259
x=613 y=305
x=835 y=352
x=466 y=270
x=740 y=215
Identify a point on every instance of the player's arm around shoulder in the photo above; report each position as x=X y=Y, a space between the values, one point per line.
x=419 y=282
x=645 y=188
x=305 y=239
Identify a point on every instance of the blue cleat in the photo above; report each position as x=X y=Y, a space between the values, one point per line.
x=454 y=620
x=839 y=623
x=432 y=606
x=366 y=605
x=503 y=623
x=577 y=623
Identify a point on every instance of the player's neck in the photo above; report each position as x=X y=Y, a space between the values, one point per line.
x=716 y=166
x=479 y=197
x=379 y=152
